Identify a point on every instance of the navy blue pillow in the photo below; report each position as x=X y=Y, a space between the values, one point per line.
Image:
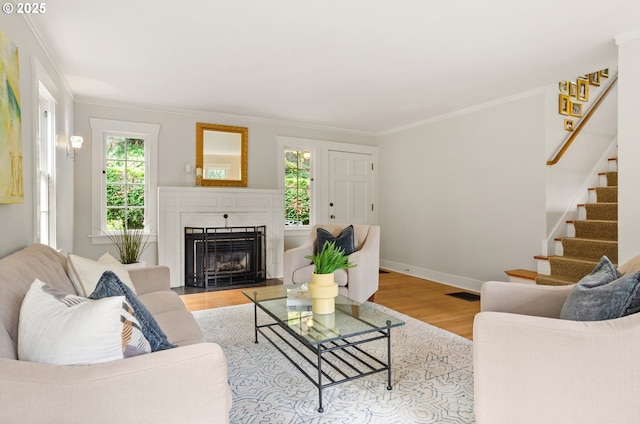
x=110 y=285
x=603 y=294
x=344 y=240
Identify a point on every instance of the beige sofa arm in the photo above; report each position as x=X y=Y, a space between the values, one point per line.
x=364 y=278
x=151 y=278
x=296 y=258
x=525 y=299
x=182 y=385
x=544 y=370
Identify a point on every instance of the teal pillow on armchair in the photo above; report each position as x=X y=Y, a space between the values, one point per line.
x=603 y=294
x=344 y=240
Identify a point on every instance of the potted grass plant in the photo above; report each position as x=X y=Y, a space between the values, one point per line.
x=323 y=288
x=130 y=243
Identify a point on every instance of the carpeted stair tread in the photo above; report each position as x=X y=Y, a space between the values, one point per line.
x=596 y=229
x=548 y=280
x=608 y=194
x=571 y=269
x=602 y=211
x=588 y=249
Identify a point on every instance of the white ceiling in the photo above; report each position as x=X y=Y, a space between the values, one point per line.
x=370 y=65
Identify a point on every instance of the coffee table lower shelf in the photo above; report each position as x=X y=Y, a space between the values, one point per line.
x=336 y=361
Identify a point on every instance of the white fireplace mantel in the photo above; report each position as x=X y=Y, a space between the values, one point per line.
x=180 y=207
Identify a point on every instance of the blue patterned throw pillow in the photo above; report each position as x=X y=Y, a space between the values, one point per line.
x=110 y=285
x=603 y=294
x=344 y=240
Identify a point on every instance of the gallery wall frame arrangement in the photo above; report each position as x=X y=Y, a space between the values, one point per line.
x=574 y=95
x=11 y=172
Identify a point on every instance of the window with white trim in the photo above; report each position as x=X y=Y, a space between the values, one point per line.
x=297 y=186
x=125 y=164
x=124 y=175
x=46 y=170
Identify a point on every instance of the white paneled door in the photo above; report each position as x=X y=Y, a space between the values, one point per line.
x=351 y=188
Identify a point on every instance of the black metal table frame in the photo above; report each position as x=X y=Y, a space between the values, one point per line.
x=351 y=348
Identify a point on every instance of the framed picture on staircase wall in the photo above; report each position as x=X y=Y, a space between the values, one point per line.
x=583 y=90
x=564 y=86
x=568 y=125
x=576 y=109
x=573 y=89
x=563 y=104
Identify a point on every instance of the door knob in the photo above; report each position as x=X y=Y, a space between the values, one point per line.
x=331 y=204
x=333 y=217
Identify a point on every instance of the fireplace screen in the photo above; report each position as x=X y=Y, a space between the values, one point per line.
x=219 y=258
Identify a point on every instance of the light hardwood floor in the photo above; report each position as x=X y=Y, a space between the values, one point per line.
x=421 y=299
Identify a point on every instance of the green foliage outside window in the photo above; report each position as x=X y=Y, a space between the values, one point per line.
x=125 y=169
x=297 y=187
x=217 y=174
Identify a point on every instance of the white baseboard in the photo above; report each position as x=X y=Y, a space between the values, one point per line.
x=428 y=274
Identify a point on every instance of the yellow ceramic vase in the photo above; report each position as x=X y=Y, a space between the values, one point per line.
x=323 y=291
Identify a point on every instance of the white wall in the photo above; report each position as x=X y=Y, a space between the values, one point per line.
x=17 y=222
x=177 y=149
x=463 y=199
x=628 y=147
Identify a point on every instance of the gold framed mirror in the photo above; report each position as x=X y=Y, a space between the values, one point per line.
x=221 y=155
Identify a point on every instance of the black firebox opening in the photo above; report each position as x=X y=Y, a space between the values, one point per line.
x=225 y=257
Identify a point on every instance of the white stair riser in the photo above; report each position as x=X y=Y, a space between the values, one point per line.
x=559 y=250
x=602 y=180
x=582 y=212
x=543 y=267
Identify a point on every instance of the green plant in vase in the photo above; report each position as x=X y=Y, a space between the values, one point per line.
x=330 y=259
x=130 y=243
x=322 y=288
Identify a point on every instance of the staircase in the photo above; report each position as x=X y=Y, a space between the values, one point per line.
x=593 y=235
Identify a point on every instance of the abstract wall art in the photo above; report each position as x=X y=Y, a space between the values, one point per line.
x=11 y=174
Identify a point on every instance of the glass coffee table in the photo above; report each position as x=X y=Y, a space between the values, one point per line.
x=327 y=349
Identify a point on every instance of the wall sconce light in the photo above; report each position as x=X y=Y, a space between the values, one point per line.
x=75 y=142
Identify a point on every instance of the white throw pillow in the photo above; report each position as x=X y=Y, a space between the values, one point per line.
x=85 y=273
x=64 y=329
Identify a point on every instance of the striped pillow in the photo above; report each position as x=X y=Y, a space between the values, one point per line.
x=64 y=329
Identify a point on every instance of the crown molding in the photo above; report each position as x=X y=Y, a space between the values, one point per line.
x=52 y=60
x=627 y=36
x=222 y=116
x=464 y=111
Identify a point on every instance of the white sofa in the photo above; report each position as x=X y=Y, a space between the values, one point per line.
x=186 y=384
x=358 y=283
x=532 y=367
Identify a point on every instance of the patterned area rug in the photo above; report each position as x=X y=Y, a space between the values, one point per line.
x=432 y=377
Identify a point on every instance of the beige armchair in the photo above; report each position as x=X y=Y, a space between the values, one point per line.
x=530 y=366
x=358 y=283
